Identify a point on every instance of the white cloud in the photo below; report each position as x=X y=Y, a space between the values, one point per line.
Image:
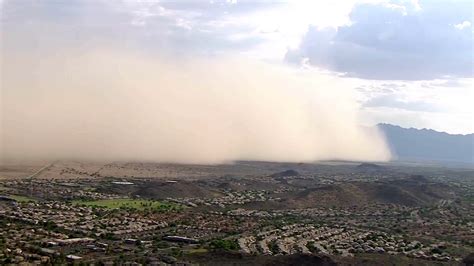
x=465 y=24
x=443 y=105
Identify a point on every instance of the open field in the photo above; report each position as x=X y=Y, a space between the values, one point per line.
x=21 y=198
x=136 y=204
x=165 y=171
x=73 y=170
x=16 y=170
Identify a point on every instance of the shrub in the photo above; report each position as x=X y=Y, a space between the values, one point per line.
x=224 y=244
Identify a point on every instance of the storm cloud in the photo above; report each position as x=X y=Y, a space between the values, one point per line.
x=395 y=41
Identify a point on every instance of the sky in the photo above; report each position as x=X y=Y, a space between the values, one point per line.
x=408 y=63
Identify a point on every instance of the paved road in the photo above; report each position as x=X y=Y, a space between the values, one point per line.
x=44 y=168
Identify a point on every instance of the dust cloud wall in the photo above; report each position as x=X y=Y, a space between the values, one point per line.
x=118 y=104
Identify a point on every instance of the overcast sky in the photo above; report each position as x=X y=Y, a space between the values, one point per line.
x=409 y=62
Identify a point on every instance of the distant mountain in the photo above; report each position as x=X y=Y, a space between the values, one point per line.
x=286 y=173
x=410 y=144
x=370 y=167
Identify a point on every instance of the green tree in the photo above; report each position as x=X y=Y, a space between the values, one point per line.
x=224 y=244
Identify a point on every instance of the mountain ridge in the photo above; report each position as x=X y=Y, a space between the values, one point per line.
x=414 y=144
x=422 y=129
